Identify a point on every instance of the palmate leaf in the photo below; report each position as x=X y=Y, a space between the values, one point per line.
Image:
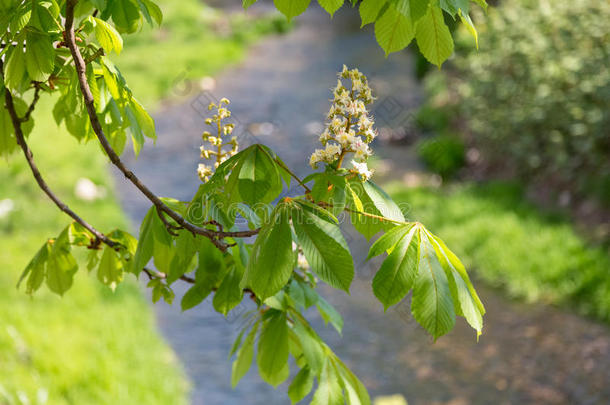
x=329 y=391
x=107 y=36
x=441 y=287
x=301 y=385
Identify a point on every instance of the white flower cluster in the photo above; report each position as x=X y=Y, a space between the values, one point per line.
x=349 y=128
x=216 y=151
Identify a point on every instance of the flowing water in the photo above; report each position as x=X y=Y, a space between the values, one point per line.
x=528 y=354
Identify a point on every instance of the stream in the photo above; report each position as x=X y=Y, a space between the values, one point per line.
x=528 y=354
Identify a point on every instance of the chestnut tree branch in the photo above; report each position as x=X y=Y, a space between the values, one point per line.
x=80 y=65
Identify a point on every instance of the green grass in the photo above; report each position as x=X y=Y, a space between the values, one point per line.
x=93 y=346
x=509 y=243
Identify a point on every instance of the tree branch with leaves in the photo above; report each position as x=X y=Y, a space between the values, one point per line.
x=290 y=245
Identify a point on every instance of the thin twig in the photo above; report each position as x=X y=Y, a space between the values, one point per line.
x=79 y=63
x=28 y=113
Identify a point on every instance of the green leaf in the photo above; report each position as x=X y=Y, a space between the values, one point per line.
x=355 y=391
x=35 y=270
x=311 y=346
x=110 y=270
x=368 y=197
x=107 y=36
x=272 y=259
x=186 y=247
x=467 y=21
x=330 y=189
x=329 y=314
x=210 y=271
x=247 y=3
x=394 y=30
x=229 y=293
x=465 y=298
x=301 y=385
x=242 y=363
x=144 y=252
x=126 y=15
x=331 y=5
x=39 y=56
x=324 y=247
x=61 y=267
x=432 y=304
x=291 y=8
x=372 y=10
x=388 y=240
x=151 y=11
x=433 y=37
x=272 y=356
x=418 y=9
x=145 y=121
x=398 y=271
x=259 y=180
x=15 y=70
x=329 y=390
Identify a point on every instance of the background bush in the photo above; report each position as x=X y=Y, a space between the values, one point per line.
x=536 y=97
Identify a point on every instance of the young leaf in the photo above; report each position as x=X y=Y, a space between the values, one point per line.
x=388 y=240
x=39 y=56
x=329 y=314
x=15 y=71
x=432 y=304
x=272 y=259
x=301 y=385
x=331 y=5
x=126 y=15
x=324 y=247
x=35 y=270
x=151 y=12
x=61 y=267
x=107 y=36
x=291 y=8
x=144 y=252
x=242 y=363
x=229 y=293
x=398 y=271
x=110 y=270
x=465 y=298
x=311 y=346
x=258 y=179
x=272 y=356
x=329 y=390
x=371 y=10
x=394 y=30
x=433 y=36
x=247 y=3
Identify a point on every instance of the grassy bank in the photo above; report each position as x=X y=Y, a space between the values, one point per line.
x=511 y=244
x=93 y=346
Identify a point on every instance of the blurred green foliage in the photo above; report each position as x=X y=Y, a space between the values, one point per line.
x=442 y=154
x=511 y=244
x=535 y=98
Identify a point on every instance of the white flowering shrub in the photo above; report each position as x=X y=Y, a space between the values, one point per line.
x=238 y=238
x=541 y=105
